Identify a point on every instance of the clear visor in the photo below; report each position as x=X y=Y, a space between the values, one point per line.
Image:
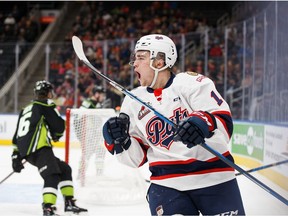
x=138 y=55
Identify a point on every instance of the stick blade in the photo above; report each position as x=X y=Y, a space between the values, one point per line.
x=78 y=48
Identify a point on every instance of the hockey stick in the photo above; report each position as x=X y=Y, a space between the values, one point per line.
x=10 y=174
x=264 y=167
x=78 y=48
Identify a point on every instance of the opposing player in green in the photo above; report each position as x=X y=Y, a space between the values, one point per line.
x=39 y=123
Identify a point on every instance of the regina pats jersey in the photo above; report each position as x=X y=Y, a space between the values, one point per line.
x=171 y=163
x=35 y=122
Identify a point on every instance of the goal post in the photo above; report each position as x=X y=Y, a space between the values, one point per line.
x=67 y=135
x=98 y=173
x=76 y=120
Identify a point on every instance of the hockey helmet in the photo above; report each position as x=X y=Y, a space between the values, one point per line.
x=42 y=88
x=98 y=89
x=156 y=43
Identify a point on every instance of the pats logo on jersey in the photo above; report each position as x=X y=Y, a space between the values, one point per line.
x=160 y=133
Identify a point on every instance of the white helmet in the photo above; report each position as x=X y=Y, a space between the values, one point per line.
x=158 y=43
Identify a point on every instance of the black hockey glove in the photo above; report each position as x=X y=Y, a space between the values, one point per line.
x=17 y=162
x=55 y=137
x=116 y=133
x=192 y=131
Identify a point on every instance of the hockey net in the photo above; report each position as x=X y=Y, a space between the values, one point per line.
x=101 y=178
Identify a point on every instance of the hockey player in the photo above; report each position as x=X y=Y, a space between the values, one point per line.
x=97 y=100
x=38 y=123
x=185 y=178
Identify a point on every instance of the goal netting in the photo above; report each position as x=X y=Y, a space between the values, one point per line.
x=101 y=178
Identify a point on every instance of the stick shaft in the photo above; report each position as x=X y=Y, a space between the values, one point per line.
x=264 y=167
x=10 y=174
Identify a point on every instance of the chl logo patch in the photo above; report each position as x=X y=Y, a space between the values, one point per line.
x=143 y=112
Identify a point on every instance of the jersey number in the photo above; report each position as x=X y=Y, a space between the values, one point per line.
x=218 y=100
x=24 y=124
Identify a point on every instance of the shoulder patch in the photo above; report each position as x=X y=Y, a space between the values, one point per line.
x=192 y=73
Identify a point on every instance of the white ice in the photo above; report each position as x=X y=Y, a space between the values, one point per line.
x=20 y=194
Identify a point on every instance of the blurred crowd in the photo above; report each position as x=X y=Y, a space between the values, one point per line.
x=109 y=31
x=118 y=26
x=18 y=24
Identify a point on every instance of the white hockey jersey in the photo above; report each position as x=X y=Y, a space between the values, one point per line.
x=171 y=163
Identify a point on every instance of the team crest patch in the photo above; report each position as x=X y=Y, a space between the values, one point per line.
x=143 y=112
x=192 y=73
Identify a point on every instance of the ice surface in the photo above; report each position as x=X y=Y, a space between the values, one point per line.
x=20 y=195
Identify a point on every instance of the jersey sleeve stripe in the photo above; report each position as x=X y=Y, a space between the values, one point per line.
x=226 y=120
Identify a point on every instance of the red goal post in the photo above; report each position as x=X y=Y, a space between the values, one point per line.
x=84 y=131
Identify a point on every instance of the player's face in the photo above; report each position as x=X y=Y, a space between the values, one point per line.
x=50 y=94
x=101 y=97
x=142 y=68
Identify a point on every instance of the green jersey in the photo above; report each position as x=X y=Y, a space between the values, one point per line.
x=35 y=122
